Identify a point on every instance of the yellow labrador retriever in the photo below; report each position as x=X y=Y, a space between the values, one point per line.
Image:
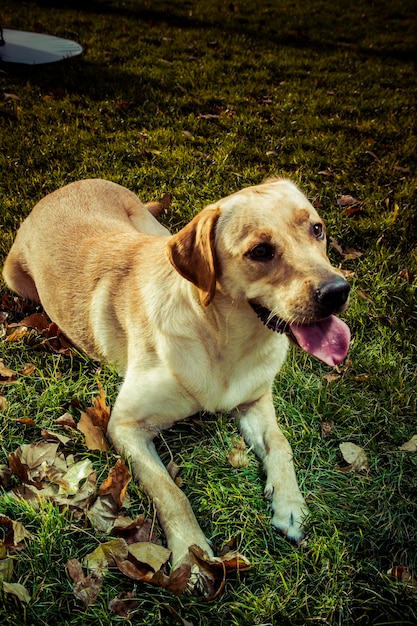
x=196 y=320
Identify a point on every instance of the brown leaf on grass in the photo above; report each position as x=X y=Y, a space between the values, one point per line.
x=47 y=473
x=69 y=482
x=123 y=605
x=133 y=531
x=102 y=514
x=34 y=458
x=99 y=413
x=3 y=403
x=116 y=483
x=6 y=564
x=410 y=446
x=94 y=421
x=17 y=333
x=37 y=321
x=362 y=294
x=103 y=556
x=327 y=428
x=66 y=420
x=216 y=569
x=18 y=590
x=348 y=253
x=331 y=377
x=177 y=581
x=238 y=456
x=54 y=337
x=347 y=200
x=94 y=435
x=406 y=274
x=28 y=370
x=352 y=253
x=5 y=475
x=355 y=456
x=135 y=571
x=18 y=468
x=86 y=588
x=335 y=245
x=111 y=494
x=7 y=375
x=16 y=533
x=49 y=436
x=152 y=554
x=405 y=575
x=27 y=421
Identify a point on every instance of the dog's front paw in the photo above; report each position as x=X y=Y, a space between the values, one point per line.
x=208 y=573
x=288 y=514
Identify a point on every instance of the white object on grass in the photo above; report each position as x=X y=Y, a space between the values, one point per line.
x=18 y=46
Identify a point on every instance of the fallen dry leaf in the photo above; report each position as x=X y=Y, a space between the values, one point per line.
x=94 y=435
x=404 y=574
x=18 y=590
x=133 y=531
x=17 y=333
x=49 y=474
x=3 y=403
x=86 y=588
x=111 y=494
x=153 y=555
x=355 y=456
x=49 y=436
x=116 y=483
x=27 y=421
x=347 y=200
x=331 y=377
x=327 y=428
x=100 y=559
x=5 y=475
x=94 y=421
x=216 y=569
x=6 y=564
x=28 y=370
x=66 y=420
x=123 y=605
x=352 y=253
x=99 y=413
x=410 y=446
x=16 y=532
x=54 y=338
x=7 y=375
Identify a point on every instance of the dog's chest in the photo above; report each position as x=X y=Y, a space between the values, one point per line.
x=221 y=380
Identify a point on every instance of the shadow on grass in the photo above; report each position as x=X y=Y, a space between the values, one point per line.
x=320 y=28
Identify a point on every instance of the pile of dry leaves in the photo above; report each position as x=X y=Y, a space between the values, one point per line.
x=48 y=469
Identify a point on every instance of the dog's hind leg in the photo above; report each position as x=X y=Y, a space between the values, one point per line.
x=18 y=279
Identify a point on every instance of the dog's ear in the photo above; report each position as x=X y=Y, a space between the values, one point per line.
x=191 y=251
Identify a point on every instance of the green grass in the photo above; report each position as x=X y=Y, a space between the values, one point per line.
x=323 y=93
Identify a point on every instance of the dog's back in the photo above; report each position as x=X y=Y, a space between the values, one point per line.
x=92 y=225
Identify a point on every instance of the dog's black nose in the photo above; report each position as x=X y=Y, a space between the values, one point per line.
x=333 y=295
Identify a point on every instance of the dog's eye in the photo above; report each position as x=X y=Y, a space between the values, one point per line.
x=262 y=252
x=318 y=231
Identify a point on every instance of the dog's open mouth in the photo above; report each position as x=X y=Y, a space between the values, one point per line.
x=327 y=339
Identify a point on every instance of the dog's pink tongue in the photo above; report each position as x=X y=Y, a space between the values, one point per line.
x=328 y=340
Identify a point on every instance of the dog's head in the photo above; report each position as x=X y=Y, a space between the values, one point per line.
x=266 y=245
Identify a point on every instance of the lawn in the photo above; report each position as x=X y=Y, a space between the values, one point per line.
x=196 y=100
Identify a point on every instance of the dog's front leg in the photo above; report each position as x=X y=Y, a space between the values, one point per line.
x=258 y=424
x=132 y=434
